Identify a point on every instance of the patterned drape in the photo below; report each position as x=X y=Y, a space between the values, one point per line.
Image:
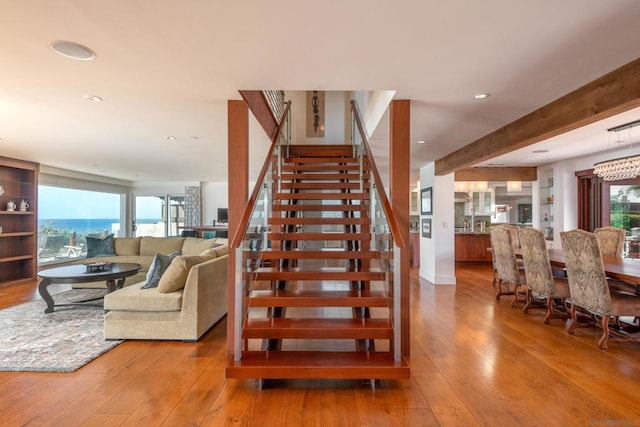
x=192 y=206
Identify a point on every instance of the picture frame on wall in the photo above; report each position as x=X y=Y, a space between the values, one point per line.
x=426 y=228
x=426 y=198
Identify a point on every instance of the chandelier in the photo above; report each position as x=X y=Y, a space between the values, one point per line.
x=616 y=169
x=620 y=168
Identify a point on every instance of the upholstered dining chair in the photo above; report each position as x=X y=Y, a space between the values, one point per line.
x=611 y=240
x=588 y=284
x=509 y=275
x=513 y=229
x=539 y=275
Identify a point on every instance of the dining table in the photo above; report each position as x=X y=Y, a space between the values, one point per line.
x=623 y=269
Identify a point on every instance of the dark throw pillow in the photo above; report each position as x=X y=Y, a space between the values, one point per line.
x=157 y=268
x=100 y=246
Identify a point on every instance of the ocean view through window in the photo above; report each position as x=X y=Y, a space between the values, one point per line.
x=66 y=216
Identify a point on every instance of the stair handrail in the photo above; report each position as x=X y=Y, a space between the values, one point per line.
x=244 y=223
x=386 y=206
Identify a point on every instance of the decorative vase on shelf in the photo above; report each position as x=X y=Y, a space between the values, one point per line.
x=11 y=206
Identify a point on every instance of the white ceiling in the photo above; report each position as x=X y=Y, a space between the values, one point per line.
x=167 y=67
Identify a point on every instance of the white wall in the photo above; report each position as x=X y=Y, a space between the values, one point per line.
x=334 y=124
x=437 y=254
x=214 y=195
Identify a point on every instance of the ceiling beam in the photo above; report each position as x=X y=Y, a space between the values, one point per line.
x=497 y=174
x=606 y=96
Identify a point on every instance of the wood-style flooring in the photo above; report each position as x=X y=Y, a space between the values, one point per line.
x=474 y=361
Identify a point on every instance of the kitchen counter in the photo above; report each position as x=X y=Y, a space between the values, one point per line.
x=471 y=246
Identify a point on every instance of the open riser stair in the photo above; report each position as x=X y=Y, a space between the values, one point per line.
x=317 y=297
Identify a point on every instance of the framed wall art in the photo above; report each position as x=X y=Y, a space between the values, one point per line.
x=426 y=227
x=426 y=198
x=315 y=113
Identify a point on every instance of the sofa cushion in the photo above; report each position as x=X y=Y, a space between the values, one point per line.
x=195 y=245
x=175 y=277
x=127 y=245
x=160 y=245
x=221 y=250
x=157 y=268
x=134 y=298
x=97 y=246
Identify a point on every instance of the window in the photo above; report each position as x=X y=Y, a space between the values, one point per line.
x=158 y=216
x=66 y=216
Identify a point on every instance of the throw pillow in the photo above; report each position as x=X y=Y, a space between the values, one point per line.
x=221 y=251
x=157 y=268
x=98 y=246
x=176 y=275
x=209 y=253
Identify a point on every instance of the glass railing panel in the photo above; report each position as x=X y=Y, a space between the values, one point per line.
x=383 y=227
x=253 y=240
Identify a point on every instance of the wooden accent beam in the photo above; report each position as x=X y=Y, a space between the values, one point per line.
x=260 y=108
x=238 y=179
x=606 y=96
x=497 y=174
x=399 y=159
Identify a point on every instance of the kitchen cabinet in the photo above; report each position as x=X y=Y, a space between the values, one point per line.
x=19 y=235
x=414 y=202
x=482 y=202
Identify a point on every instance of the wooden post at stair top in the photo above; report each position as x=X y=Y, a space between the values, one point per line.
x=399 y=165
x=238 y=181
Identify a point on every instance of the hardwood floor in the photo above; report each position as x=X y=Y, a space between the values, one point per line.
x=474 y=361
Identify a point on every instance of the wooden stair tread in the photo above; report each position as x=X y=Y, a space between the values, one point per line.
x=330 y=236
x=336 y=159
x=318 y=220
x=316 y=150
x=320 y=176
x=317 y=328
x=321 y=196
x=320 y=208
x=321 y=185
x=320 y=167
x=318 y=298
x=327 y=253
x=309 y=364
x=273 y=273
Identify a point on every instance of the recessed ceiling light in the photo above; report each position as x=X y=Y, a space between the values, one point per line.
x=481 y=96
x=169 y=137
x=540 y=151
x=422 y=141
x=72 y=50
x=92 y=98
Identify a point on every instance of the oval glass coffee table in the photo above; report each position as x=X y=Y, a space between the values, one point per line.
x=114 y=274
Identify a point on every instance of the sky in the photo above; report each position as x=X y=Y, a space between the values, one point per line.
x=56 y=203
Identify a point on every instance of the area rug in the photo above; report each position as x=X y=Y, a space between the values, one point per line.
x=62 y=341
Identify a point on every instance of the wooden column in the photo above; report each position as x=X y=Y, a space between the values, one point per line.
x=399 y=163
x=238 y=179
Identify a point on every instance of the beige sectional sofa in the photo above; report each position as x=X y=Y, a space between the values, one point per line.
x=190 y=298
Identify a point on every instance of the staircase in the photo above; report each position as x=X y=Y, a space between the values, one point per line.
x=317 y=294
